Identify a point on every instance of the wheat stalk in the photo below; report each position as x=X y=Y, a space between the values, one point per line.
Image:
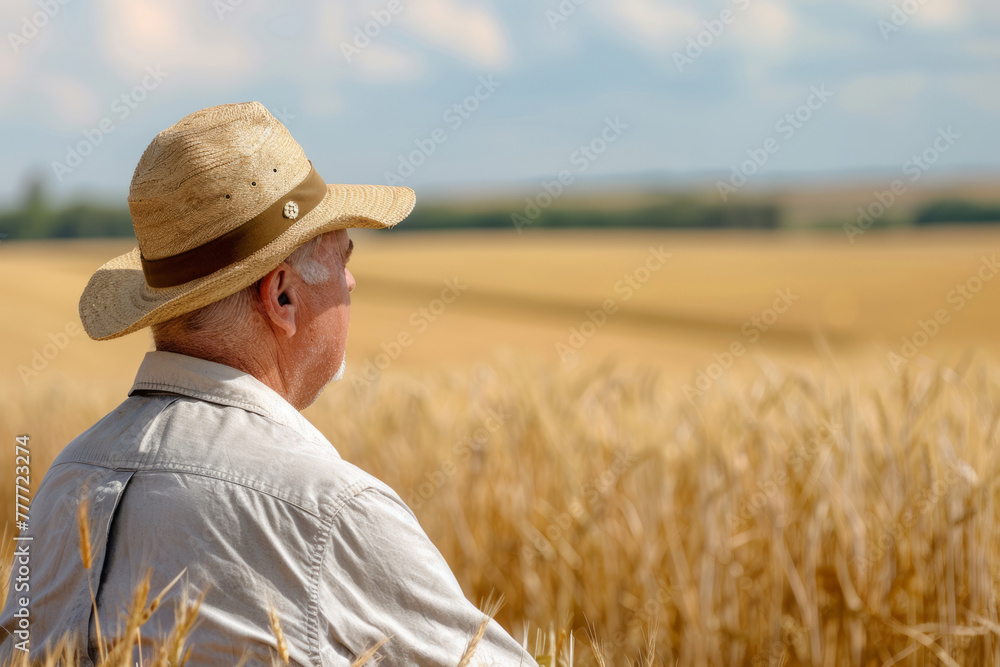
x=279 y=636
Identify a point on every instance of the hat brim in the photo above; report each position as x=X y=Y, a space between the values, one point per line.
x=117 y=300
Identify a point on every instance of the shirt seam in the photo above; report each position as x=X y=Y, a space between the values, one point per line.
x=205 y=396
x=319 y=555
x=254 y=408
x=253 y=485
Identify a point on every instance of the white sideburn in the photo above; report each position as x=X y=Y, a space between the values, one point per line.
x=340 y=372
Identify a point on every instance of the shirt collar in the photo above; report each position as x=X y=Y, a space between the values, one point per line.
x=221 y=384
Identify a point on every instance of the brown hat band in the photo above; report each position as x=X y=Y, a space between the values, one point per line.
x=238 y=243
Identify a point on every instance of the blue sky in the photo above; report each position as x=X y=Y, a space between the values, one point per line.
x=559 y=71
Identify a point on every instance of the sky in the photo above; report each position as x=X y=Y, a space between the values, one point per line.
x=453 y=97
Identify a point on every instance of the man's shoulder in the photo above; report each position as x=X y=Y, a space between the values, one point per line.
x=180 y=435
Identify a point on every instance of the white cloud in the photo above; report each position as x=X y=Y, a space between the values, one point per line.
x=472 y=32
x=9 y=66
x=943 y=13
x=940 y=14
x=386 y=63
x=379 y=60
x=929 y=13
x=33 y=77
x=881 y=95
x=29 y=35
x=765 y=24
x=656 y=26
x=663 y=27
x=183 y=37
x=72 y=100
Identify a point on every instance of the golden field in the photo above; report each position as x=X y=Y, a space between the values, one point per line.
x=808 y=500
x=524 y=293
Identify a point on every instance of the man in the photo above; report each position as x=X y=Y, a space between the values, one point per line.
x=208 y=467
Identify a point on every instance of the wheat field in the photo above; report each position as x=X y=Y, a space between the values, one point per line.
x=645 y=499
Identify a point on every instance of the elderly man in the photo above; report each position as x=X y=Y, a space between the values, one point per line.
x=208 y=467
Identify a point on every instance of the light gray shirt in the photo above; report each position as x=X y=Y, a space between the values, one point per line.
x=206 y=468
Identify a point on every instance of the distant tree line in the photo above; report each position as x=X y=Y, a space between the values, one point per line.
x=679 y=214
x=957 y=212
x=37 y=219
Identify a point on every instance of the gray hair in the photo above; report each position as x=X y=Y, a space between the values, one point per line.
x=211 y=326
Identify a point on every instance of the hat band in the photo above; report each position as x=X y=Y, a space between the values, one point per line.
x=238 y=243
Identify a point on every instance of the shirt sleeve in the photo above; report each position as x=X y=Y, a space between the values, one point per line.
x=381 y=576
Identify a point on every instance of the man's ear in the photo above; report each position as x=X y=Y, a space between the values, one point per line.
x=279 y=299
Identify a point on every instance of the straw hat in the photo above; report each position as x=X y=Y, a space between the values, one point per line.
x=217 y=201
